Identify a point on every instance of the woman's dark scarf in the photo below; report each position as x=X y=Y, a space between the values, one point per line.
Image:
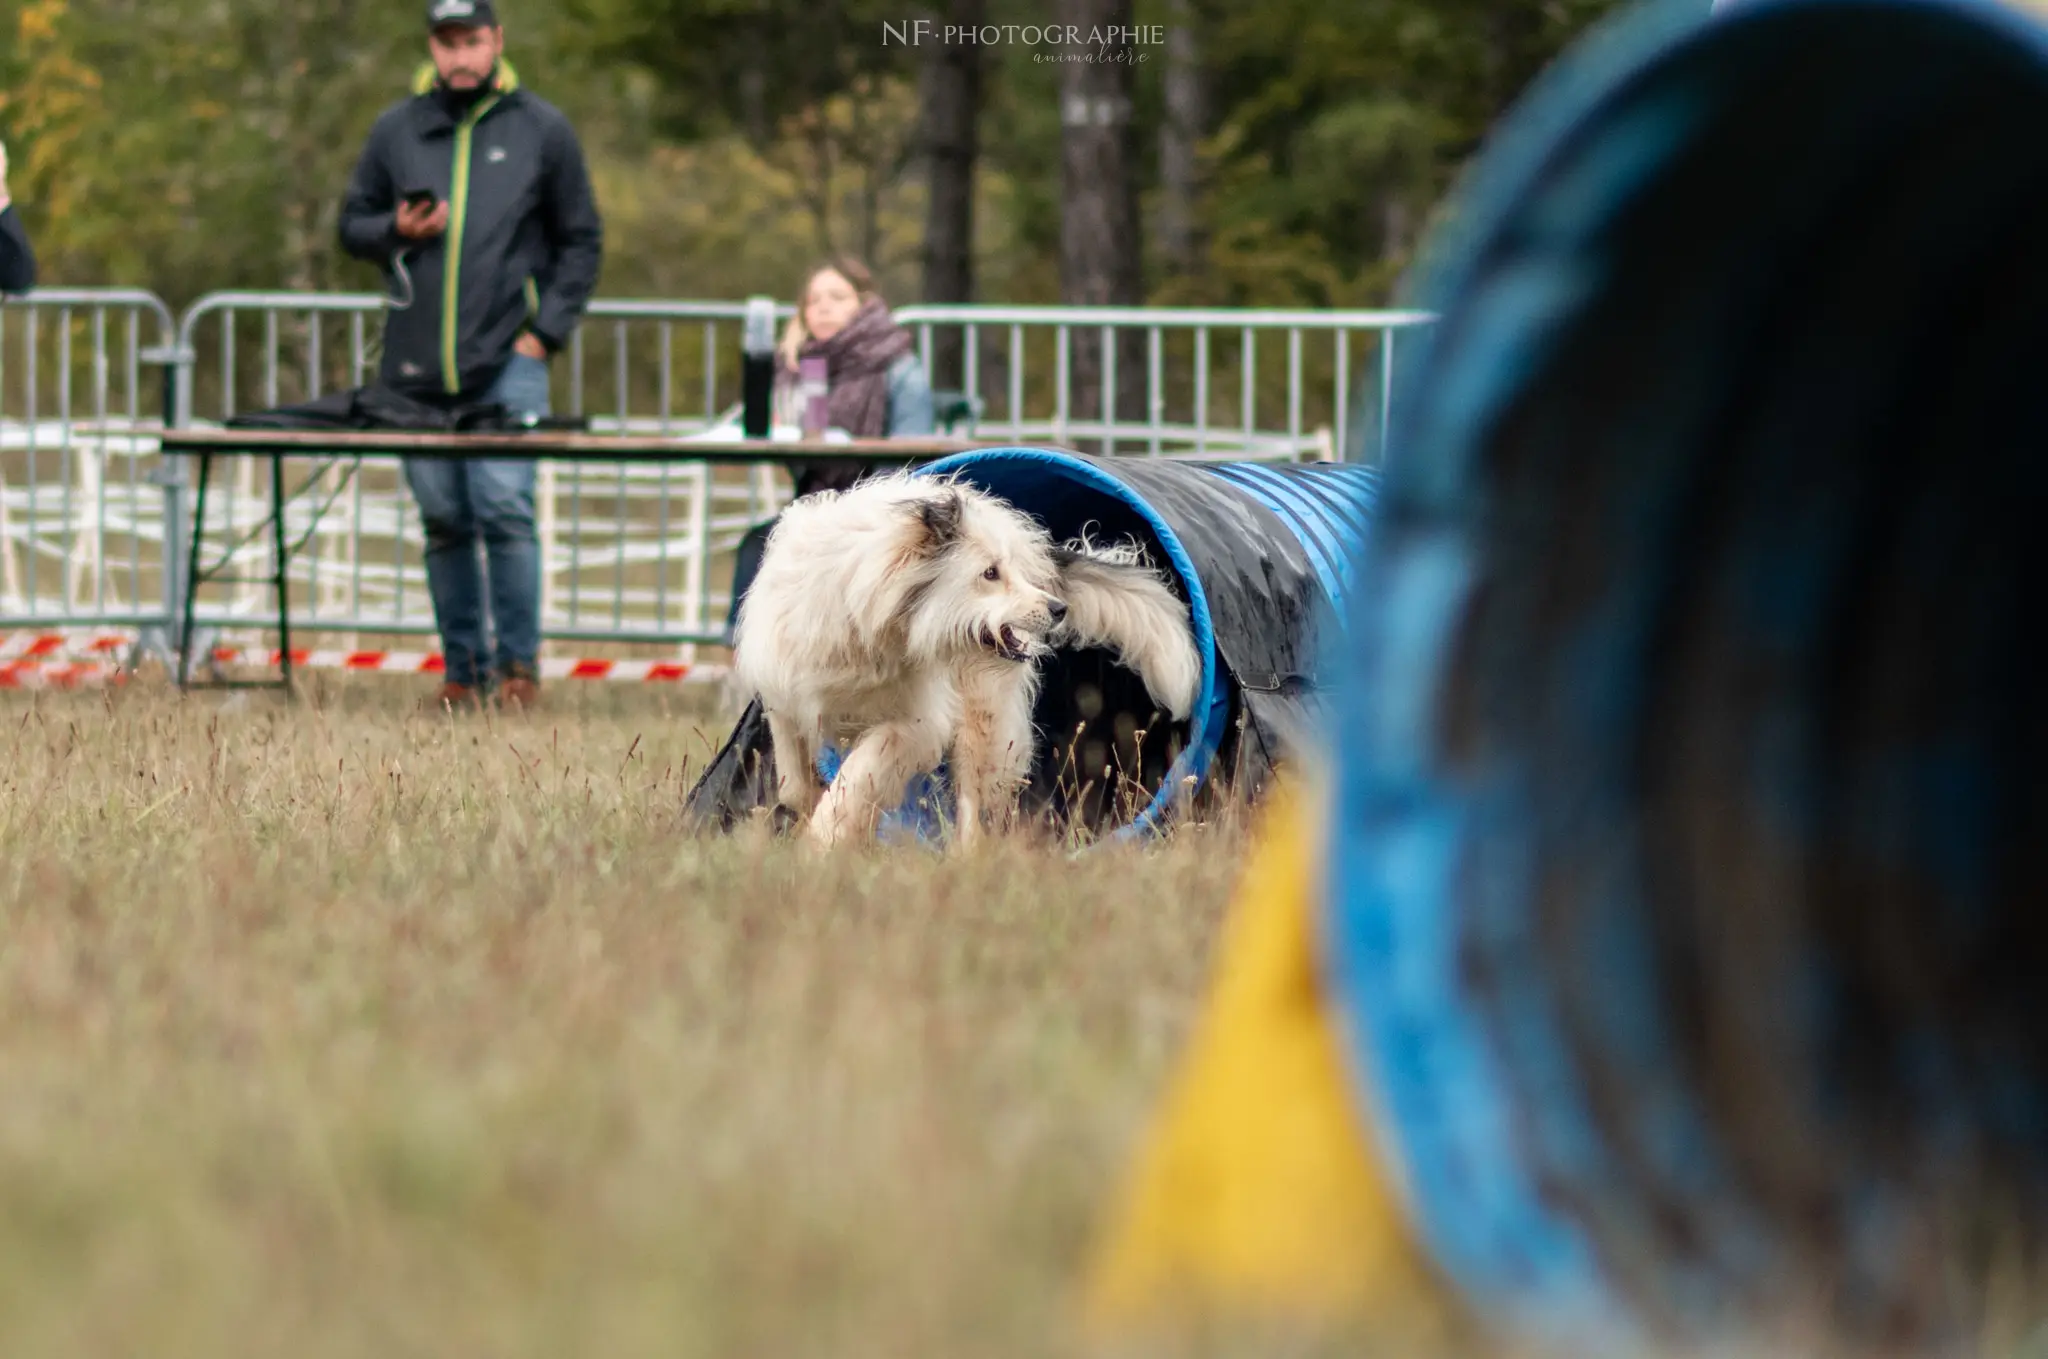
x=857 y=363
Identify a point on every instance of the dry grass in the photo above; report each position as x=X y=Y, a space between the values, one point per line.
x=346 y=1031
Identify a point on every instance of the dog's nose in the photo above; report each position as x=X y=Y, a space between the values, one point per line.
x=1057 y=608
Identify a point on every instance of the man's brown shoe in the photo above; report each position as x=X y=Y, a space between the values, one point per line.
x=519 y=692
x=456 y=696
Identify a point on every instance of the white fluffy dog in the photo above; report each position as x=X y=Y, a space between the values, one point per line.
x=905 y=616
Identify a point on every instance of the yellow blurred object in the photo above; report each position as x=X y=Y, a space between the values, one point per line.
x=1258 y=1192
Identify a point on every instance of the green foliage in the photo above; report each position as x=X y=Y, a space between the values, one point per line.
x=186 y=145
x=1342 y=122
x=746 y=65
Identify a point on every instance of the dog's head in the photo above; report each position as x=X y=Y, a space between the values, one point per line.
x=991 y=585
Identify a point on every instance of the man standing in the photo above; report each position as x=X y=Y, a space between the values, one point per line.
x=17 y=261
x=473 y=193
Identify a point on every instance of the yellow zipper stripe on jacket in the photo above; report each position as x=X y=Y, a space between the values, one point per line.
x=458 y=212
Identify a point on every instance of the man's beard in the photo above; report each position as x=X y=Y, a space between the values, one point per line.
x=458 y=101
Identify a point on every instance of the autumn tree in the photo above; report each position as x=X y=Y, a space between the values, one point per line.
x=1284 y=153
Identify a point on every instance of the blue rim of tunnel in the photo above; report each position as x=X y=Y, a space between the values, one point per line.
x=1388 y=913
x=1391 y=915
x=1212 y=700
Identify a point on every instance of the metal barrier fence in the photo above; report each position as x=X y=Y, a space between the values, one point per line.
x=1176 y=380
x=89 y=514
x=631 y=555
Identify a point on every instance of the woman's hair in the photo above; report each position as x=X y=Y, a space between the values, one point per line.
x=795 y=333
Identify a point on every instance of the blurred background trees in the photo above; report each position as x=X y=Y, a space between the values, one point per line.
x=1285 y=153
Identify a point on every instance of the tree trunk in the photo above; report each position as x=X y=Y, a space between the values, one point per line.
x=1514 y=51
x=951 y=144
x=1100 y=263
x=1179 y=137
x=754 y=122
x=1396 y=226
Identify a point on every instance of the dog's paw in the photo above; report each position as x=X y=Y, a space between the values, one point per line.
x=833 y=826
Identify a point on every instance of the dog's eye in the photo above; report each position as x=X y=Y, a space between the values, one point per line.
x=992 y=574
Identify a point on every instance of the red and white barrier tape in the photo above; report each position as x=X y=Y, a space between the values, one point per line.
x=38 y=675
x=425 y=663
x=32 y=660
x=35 y=646
x=54 y=660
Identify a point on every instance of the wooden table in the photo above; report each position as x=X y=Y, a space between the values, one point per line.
x=540 y=445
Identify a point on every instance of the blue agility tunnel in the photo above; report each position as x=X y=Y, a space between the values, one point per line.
x=1263 y=555
x=1688 y=874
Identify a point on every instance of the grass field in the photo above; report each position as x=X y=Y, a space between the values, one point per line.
x=347 y=1030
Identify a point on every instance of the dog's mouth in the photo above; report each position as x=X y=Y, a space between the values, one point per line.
x=1005 y=642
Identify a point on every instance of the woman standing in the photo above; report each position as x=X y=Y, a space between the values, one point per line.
x=875 y=387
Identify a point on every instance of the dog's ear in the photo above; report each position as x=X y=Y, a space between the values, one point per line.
x=940 y=519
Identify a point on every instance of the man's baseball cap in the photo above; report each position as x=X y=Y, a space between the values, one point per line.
x=463 y=13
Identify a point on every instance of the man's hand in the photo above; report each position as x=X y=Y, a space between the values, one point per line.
x=530 y=345
x=422 y=224
x=3 y=176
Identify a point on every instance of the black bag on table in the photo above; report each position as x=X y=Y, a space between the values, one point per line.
x=377 y=407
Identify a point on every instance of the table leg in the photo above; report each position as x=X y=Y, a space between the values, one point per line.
x=192 y=572
x=284 y=598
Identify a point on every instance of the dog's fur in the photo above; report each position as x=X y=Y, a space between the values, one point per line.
x=907 y=616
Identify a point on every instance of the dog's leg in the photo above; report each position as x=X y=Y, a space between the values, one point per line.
x=872 y=779
x=796 y=764
x=973 y=753
x=992 y=755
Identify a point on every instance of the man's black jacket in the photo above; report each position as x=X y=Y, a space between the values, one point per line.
x=523 y=242
x=17 y=261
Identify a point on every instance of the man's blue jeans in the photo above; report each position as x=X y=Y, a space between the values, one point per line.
x=488 y=501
